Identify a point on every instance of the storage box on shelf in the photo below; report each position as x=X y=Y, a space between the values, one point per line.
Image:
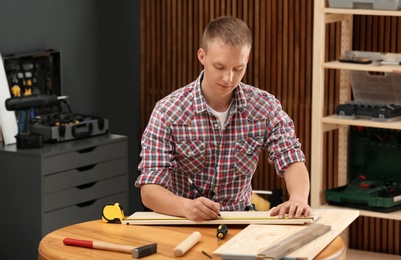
x=366 y=4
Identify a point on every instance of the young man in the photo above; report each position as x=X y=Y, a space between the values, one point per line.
x=201 y=146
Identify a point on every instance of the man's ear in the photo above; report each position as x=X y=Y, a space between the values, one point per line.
x=201 y=55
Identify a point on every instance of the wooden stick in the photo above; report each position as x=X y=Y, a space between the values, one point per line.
x=292 y=243
x=187 y=243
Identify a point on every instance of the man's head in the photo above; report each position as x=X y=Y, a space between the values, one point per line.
x=224 y=55
x=229 y=30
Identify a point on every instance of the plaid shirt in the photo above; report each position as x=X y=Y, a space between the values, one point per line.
x=183 y=139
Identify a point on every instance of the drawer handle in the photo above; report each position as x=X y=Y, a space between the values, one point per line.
x=86 y=168
x=86 y=204
x=87 y=150
x=86 y=186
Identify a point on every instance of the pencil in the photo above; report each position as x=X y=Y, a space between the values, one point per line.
x=196 y=188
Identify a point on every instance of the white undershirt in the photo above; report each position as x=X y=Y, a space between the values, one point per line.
x=222 y=116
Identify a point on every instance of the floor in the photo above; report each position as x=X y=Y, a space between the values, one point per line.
x=358 y=255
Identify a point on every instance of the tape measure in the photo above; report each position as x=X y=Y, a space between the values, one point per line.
x=113 y=213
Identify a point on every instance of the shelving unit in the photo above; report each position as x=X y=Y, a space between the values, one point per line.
x=321 y=123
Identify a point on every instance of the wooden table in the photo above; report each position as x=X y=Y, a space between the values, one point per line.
x=167 y=238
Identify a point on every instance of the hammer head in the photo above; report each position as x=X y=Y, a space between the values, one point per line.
x=144 y=250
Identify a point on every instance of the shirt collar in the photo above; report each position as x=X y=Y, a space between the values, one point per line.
x=239 y=102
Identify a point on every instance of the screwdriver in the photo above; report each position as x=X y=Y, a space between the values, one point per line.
x=221 y=232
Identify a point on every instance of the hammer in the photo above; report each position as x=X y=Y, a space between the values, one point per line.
x=378 y=63
x=136 y=252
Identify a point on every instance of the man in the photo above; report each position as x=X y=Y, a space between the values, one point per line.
x=201 y=146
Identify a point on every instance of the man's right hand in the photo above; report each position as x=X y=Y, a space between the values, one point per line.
x=161 y=200
x=201 y=209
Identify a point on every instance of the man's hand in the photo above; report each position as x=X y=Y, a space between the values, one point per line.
x=201 y=209
x=161 y=200
x=297 y=180
x=293 y=207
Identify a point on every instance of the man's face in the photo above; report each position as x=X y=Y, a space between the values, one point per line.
x=224 y=67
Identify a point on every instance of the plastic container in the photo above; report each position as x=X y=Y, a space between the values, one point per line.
x=379 y=90
x=366 y=4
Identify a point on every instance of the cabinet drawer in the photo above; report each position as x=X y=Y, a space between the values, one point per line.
x=81 y=195
x=84 y=157
x=75 y=214
x=84 y=175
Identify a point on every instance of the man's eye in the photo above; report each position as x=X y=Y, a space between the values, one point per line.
x=238 y=69
x=219 y=67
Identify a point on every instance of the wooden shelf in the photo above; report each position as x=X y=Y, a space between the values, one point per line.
x=335 y=122
x=366 y=213
x=361 y=67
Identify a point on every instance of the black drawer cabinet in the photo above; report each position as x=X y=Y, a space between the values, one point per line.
x=61 y=184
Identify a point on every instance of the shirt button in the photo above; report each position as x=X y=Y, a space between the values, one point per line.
x=216 y=125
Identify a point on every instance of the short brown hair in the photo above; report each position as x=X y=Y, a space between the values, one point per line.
x=230 y=30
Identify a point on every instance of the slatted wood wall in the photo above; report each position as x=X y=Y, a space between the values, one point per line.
x=281 y=63
x=280 y=60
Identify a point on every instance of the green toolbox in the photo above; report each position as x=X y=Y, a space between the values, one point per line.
x=374 y=171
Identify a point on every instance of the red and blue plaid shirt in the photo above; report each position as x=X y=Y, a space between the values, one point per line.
x=183 y=139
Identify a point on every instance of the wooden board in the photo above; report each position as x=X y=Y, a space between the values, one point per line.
x=227 y=217
x=256 y=238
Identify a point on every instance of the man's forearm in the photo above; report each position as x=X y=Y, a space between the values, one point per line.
x=297 y=181
x=161 y=200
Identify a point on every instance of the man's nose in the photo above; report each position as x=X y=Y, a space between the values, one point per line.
x=228 y=76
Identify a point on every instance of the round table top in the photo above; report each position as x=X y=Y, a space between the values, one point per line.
x=166 y=237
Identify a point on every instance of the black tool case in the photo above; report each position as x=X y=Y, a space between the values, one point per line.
x=35 y=78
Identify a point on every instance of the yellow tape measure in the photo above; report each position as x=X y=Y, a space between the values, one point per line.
x=113 y=213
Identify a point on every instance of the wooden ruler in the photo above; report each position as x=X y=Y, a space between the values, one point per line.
x=230 y=217
x=292 y=243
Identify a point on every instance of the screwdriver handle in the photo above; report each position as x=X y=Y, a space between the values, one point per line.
x=222 y=231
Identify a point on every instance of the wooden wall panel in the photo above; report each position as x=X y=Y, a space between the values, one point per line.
x=280 y=62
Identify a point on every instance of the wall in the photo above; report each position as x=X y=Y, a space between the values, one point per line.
x=280 y=59
x=99 y=41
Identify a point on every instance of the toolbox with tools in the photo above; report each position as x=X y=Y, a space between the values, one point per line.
x=373 y=171
x=376 y=95
x=43 y=112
